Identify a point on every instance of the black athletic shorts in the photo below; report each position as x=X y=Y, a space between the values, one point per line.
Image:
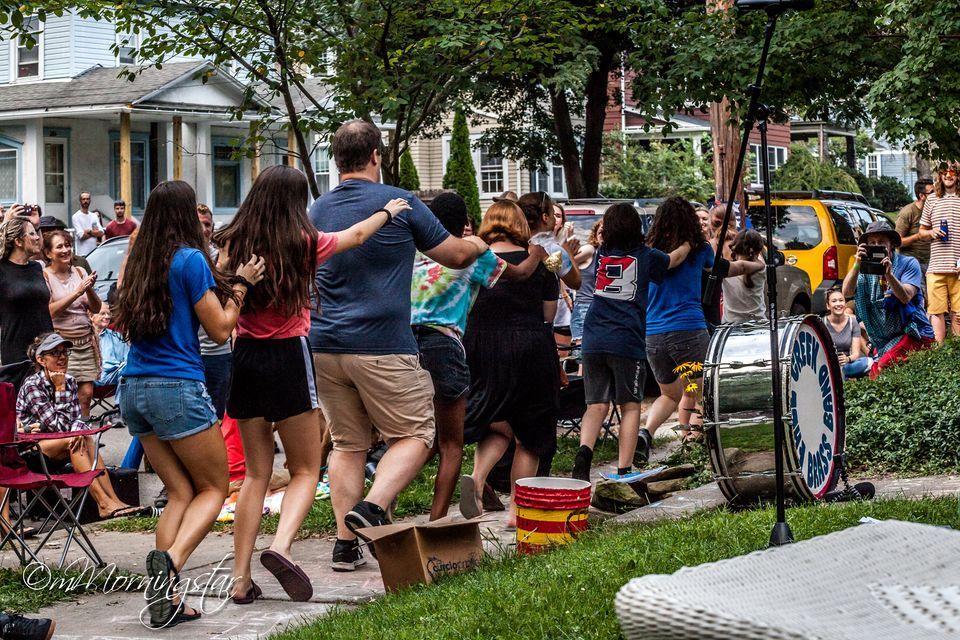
x=272 y=379
x=610 y=378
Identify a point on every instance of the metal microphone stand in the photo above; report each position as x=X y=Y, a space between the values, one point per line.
x=757 y=112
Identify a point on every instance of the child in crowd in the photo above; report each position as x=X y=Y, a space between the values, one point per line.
x=743 y=295
x=614 y=349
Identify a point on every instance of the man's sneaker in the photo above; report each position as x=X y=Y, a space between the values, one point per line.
x=581 y=464
x=14 y=627
x=644 y=444
x=365 y=514
x=347 y=555
x=161 y=500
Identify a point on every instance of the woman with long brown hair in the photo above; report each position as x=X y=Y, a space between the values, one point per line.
x=676 y=326
x=172 y=288
x=72 y=300
x=273 y=381
x=514 y=374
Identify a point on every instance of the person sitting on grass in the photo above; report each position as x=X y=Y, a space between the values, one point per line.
x=845 y=331
x=48 y=398
x=889 y=305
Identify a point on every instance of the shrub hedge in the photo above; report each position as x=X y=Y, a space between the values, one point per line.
x=908 y=420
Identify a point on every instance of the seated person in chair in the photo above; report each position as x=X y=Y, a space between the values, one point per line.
x=48 y=398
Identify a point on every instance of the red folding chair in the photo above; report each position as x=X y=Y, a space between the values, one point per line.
x=14 y=475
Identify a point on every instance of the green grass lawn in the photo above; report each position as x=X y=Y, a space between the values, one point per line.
x=49 y=586
x=569 y=593
x=414 y=501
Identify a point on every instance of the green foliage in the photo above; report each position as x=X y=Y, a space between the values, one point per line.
x=569 y=592
x=885 y=193
x=460 y=174
x=49 y=586
x=631 y=171
x=803 y=172
x=908 y=419
x=409 y=179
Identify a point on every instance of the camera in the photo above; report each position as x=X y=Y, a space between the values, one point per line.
x=28 y=210
x=871 y=264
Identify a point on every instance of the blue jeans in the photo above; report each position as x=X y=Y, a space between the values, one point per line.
x=169 y=408
x=857 y=368
x=577 y=316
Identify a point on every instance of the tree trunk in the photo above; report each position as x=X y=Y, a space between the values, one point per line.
x=598 y=97
x=567 y=141
x=390 y=171
x=303 y=149
x=725 y=134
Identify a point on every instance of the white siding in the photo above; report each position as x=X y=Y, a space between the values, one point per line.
x=56 y=47
x=91 y=44
x=4 y=61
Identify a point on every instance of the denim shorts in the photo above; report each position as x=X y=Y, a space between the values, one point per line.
x=667 y=351
x=577 y=316
x=446 y=361
x=169 y=408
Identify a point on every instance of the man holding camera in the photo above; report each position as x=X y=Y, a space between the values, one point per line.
x=889 y=302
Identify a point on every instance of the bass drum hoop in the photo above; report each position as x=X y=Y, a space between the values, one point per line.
x=788 y=329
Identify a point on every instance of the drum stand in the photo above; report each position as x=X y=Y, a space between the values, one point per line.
x=758 y=113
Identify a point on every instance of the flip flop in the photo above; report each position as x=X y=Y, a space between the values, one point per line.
x=158 y=592
x=469 y=500
x=123 y=512
x=291 y=577
x=252 y=594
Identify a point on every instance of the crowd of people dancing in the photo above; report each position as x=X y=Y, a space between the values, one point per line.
x=369 y=316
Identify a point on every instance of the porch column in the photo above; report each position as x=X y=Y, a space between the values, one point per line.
x=204 y=157
x=291 y=145
x=254 y=155
x=126 y=176
x=177 y=148
x=822 y=144
x=851 y=152
x=32 y=179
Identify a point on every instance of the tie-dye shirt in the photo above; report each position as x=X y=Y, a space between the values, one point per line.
x=441 y=297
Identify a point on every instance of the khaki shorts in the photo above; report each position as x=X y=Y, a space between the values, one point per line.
x=83 y=364
x=391 y=392
x=941 y=289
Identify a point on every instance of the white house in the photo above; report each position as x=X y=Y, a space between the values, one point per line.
x=68 y=124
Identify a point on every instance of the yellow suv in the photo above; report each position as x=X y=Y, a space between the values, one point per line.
x=817 y=231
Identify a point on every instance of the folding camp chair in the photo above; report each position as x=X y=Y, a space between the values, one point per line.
x=573 y=404
x=15 y=475
x=104 y=403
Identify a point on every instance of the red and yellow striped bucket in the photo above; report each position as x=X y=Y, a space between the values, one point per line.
x=550 y=512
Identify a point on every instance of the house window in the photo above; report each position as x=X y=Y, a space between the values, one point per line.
x=491 y=172
x=139 y=169
x=28 y=58
x=776 y=157
x=9 y=173
x=550 y=181
x=54 y=172
x=127 y=45
x=226 y=175
x=321 y=168
x=873 y=165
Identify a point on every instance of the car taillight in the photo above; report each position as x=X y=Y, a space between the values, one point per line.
x=830 y=269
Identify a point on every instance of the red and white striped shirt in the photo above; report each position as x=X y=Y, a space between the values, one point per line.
x=943 y=254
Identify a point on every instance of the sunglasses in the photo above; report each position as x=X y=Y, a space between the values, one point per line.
x=949 y=173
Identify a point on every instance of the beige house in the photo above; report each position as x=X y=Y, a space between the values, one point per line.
x=495 y=174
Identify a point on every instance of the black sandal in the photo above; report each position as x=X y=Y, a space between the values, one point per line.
x=159 y=592
x=252 y=594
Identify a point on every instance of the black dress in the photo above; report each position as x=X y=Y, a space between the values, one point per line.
x=514 y=371
x=24 y=308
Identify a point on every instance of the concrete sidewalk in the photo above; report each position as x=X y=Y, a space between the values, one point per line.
x=116 y=615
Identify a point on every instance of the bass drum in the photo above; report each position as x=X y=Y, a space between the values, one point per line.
x=738 y=410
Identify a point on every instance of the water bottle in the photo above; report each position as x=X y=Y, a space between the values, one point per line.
x=944 y=229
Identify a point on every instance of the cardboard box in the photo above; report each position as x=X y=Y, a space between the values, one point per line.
x=410 y=553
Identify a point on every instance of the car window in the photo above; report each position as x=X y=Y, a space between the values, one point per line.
x=797 y=226
x=864 y=215
x=846 y=234
x=582 y=225
x=106 y=260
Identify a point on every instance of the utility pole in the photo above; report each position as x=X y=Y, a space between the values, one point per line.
x=724 y=132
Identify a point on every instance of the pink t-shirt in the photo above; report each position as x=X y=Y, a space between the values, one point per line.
x=270 y=323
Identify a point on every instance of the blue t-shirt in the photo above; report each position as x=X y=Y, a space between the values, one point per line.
x=615 y=323
x=365 y=292
x=675 y=302
x=176 y=354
